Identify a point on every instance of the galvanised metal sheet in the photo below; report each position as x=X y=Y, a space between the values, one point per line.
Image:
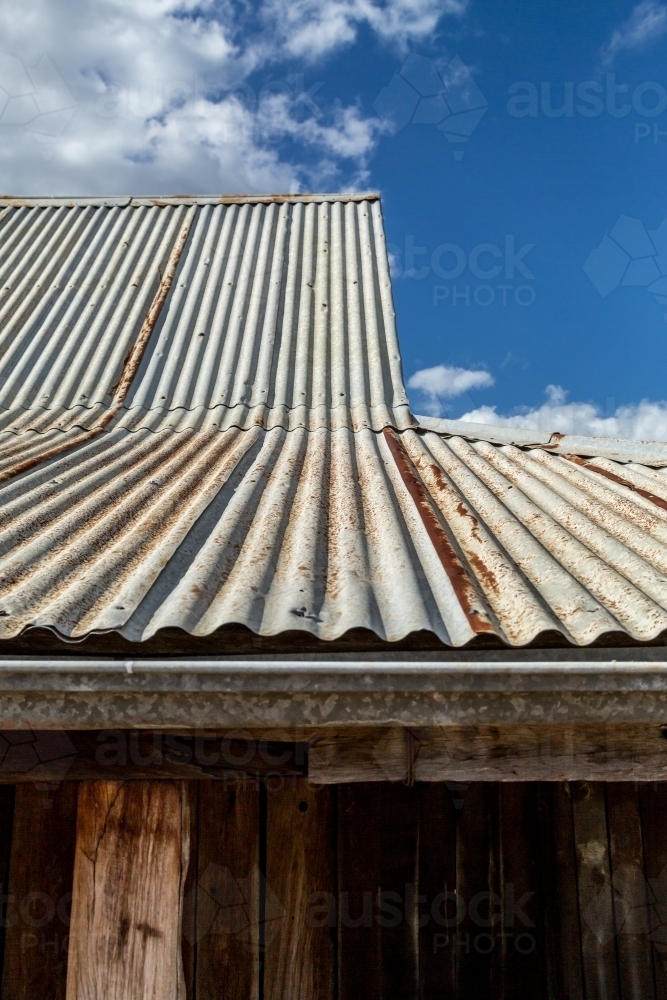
x=204 y=422
x=75 y=286
x=330 y=530
x=280 y=314
x=651 y=453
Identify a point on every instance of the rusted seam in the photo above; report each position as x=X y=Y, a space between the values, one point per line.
x=658 y=501
x=458 y=576
x=554 y=442
x=130 y=367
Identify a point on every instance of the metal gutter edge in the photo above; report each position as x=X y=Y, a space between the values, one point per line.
x=94 y=694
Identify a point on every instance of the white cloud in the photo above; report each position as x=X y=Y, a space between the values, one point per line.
x=644 y=421
x=162 y=94
x=647 y=23
x=311 y=28
x=446 y=382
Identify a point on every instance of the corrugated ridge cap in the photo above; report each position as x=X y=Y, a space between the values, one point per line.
x=653 y=453
x=122 y=201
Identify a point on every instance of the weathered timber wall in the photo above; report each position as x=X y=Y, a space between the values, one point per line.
x=377 y=890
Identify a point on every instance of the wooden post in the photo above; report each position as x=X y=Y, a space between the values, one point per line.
x=40 y=884
x=132 y=850
x=299 y=893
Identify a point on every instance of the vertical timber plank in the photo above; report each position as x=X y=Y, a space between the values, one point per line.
x=398 y=820
x=595 y=894
x=228 y=883
x=437 y=887
x=523 y=945
x=7 y=793
x=477 y=887
x=189 y=931
x=300 y=893
x=561 y=902
x=653 y=801
x=39 y=888
x=132 y=852
x=631 y=912
x=359 y=945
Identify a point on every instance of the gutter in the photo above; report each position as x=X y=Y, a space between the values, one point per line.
x=53 y=693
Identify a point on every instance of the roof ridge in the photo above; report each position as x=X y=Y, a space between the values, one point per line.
x=621 y=449
x=122 y=201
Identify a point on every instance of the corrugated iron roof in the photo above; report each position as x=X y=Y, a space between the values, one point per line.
x=280 y=314
x=245 y=453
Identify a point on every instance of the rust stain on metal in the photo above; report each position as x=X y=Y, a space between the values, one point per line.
x=451 y=563
x=130 y=366
x=483 y=571
x=261 y=199
x=658 y=501
x=554 y=441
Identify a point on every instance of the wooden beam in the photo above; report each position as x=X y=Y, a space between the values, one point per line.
x=132 y=852
x=120 y=755
x=543 y=752
x=339 y=756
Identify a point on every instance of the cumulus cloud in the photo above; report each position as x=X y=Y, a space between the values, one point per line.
x=164 y=96
x=311 y=28
x=647 y=23
x=442 y=382
x=644 y=421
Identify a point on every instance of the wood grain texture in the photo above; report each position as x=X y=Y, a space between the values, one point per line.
x=437 y=887
x=359 y=886
x=189 y=923
x=477 y=879
x=121 y=755
x=544 y=752
x=358 y=754
x=228 y=890
x=300 y=893
x=7 y=793
x=132 y=851
x=523 y=947
x=596 y=911
x=631 y=904
x=561 y=902
x=40 y=884
x=653 y=805
x=398 y=822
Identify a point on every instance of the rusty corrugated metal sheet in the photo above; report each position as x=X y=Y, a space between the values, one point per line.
x=327 y=531
x=280 y=315
x=651 y=453
x=245 y=453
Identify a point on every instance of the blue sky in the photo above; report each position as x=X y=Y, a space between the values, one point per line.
x=500 y=241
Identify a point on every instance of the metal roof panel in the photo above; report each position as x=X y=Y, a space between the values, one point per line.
x=203 y=421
